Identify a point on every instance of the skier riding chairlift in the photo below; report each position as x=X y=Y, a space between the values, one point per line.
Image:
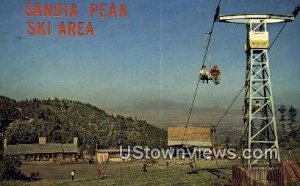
x=204 y=74
x=213 y=75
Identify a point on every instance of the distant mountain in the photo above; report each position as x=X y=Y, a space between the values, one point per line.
x=177 y=114
x=61 y=120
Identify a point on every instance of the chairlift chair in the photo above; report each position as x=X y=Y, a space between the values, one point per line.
x=213 y=74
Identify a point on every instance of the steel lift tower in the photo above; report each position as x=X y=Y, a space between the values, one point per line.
x=259 y=123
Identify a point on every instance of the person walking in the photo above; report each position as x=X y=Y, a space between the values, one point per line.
x=98 y=172
x=145 y=167
x=72 y=175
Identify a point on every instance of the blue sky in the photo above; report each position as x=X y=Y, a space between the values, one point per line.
x=150 y=58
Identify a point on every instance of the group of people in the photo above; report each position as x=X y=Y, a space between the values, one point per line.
x=214 y=74
x=99 y=172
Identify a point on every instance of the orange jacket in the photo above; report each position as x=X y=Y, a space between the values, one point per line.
x=215 y=72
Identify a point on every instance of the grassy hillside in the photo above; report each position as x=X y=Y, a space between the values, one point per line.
x=61 y=120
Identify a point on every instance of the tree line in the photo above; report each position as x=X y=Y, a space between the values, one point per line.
x=61 y=120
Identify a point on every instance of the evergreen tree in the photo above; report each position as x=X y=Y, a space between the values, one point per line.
x=282 y=120
x=292 y=113
x=227 y=141
x=9 y=168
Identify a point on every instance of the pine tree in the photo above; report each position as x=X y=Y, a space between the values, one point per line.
x=292 y=113
x=227 y=141
x=282 y=120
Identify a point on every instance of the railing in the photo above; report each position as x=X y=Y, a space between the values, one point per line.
x=282 y=173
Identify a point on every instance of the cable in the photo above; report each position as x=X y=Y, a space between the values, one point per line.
x=211 y=31
x=294 y=13
x=203 y=62
x=225 y=113
x=276 y=37
x=296 y=10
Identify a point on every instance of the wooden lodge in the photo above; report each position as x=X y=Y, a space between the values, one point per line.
x=43 y=151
